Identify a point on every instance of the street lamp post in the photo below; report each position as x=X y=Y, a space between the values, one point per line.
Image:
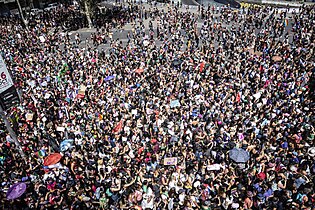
x=12 y=133
x=9 y=96
x=25 y=22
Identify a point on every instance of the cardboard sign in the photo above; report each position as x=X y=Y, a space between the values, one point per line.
x=82 y=90
x=172 y=161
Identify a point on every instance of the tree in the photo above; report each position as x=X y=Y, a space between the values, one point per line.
x=89 y=7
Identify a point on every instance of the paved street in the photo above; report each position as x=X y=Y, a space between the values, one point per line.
x=121 y=34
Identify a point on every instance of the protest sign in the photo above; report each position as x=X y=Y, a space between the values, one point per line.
x=134 y=112
x=61 y=129
x=29 y=116
x=172 y=161
x=81 y=92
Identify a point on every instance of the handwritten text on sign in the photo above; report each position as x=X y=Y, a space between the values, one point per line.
x=170 y=161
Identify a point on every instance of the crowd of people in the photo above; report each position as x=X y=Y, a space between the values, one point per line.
x=150 y=122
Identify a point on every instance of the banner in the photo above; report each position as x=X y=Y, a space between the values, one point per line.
x=5 y=78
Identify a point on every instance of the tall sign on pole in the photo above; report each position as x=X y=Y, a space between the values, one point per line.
x=8 y=98
x=5 y=77
x=8 y=94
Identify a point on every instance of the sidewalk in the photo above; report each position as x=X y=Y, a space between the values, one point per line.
x=278 y=3
x=283 y=3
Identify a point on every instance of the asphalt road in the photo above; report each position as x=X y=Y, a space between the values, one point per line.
x=190 y=2
x=121 y=34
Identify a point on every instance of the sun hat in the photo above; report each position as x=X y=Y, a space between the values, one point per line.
x=293 y=168
x=197 y=184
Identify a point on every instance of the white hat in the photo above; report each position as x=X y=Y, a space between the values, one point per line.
x=293 y=168
x=311 y=151
x=196 y=184
x=235 y=205
x=86 y=198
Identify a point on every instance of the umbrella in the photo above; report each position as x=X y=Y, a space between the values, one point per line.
x=52 y=159
x=177 y=62
x=276 y=58
x=109 y=78
x=253 y=52
x=16 y=191
x=239 y=155
x=174 y=103
x=139 y=70
x=66 y=144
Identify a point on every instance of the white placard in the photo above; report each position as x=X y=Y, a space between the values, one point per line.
x=5 y=77
x=47 y=95
x=214 y=167
x=42 y=39
x=171 y=161
x=61 y=129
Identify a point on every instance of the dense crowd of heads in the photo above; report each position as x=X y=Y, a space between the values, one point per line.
x=181 y=84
